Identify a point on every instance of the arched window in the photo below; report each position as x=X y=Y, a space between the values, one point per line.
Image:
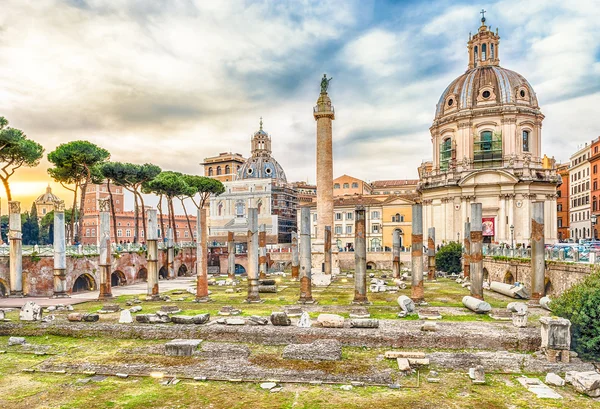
x=218 y=170
x=525 y=141
x=210 y=171
x=227 y=170
x=491 y=51
x=483 y=51
x=346 y=185
x=445 y=154
x=487 y=150
x=220 y=208
x=396 y=218
x=475 y=56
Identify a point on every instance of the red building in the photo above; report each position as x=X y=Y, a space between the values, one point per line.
x=126 y=220
x=562 y=202
x=595 y=185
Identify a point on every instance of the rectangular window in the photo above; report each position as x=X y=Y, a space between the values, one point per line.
x=349 y=216
x=338 y=216
x=487 y=150
x=186 y=233
x=375 y=215
x=445 y=154
x=127 y=233
x=559 y=207
x=349 y=229
x=525 y=141
x=119 y=233
x=375 y=228
x=338 y=229
x=560 y=222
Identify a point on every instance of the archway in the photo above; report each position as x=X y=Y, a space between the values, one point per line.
x=117 y=278
x=3 y=288
x=239 y=269
x=85 y=282
x=371 y=266
x=182 y=272
x=142 y=275
x=548 y=289
x=162 y=273
x=486 y=274
x=508 y=278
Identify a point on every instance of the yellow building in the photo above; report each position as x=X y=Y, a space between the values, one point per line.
x=396 y=215
x=348 y=185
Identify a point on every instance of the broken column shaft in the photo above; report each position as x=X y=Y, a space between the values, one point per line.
x=416 y=291
x=201 y=257
x=396 y=254
x=104 y=262
x=230 y=256
x=295 y=256
x=253 y=295
x=360 y=256
x=431 y=252
x=262 y=251
x=152 y=240
x=60 y=252
x=16 y=249
x=467 y=251
x=305 y=257
x=538 y=263
x=476 y=257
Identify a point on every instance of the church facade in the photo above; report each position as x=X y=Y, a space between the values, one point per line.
x=260 y=183
x=486 y=138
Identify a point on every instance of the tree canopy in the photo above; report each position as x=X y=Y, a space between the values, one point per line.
x=205 y=187
x=16 y=151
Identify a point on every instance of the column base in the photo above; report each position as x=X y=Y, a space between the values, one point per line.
x=60 y=295
x=203 y=299
x=306 y=301
x=105 y=297
x=153 y=298
x=16 y=294
x=361 y=302
x=253 y=301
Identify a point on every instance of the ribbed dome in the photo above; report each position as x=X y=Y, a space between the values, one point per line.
x=47 y=197
x=261 y=167
x=484 y=87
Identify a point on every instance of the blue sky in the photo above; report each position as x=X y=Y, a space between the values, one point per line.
x=171 y=82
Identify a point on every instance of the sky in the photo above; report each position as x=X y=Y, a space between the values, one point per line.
x=172 y=82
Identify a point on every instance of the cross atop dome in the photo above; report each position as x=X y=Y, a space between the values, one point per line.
x=482 y=12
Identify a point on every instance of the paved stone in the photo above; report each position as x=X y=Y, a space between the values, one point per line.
x=540 y=389
x=319 y=350
x=554 y=379
x=359 y=312
x=235 y=321
x=404 y=354
x=268 y=385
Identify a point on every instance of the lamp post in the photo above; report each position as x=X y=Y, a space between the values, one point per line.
x=512 y=237
x=594 y=218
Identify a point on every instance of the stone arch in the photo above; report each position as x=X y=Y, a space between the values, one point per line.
x=548 y=288
x=142 y=274
x=240 y=269
x=371 y=265
x=85 y=282
x=4 y=288
x=117 y=278
x=182 y=271
x=163 y=273
x=508 y=278
x=486 y=274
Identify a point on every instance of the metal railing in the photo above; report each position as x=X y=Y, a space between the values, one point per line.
x=571 y=254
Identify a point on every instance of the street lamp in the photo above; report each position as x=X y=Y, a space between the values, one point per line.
x=512 y=236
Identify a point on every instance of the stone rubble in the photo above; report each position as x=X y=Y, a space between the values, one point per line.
x=331 y=320
x=364 y=323
x=125 y=317
x=476 y=305
x=554 y=379
x=304 y=321
x=30 y=312
x=182 y=347
x=16 y=341
x=319 y=350
x=585 y=382
x=279 y=318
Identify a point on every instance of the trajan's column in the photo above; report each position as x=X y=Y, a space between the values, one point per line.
x=324 y=114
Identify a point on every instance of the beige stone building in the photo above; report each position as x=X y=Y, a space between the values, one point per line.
x=45 y=203
x=487 y=148
x=394 y=187
x=348 y=185
x=223 y=167
x=580 y=222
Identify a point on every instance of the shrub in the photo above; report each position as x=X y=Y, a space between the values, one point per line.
x=448 y=258
x=580 y=304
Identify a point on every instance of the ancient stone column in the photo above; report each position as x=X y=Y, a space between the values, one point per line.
x=295 y=256
x=360 y=256
x=476 y=257
x=16 y=249
x=253 y=295
x=327 y=250
x=60 y=252
x=152 y=242
x=324 y=115
x=538 y=262
x=201 y=257
x=431 y=252
x=396 y=254
x=467 y=251
x=416 y=291
x=105 y=259
x=305 y=257
x=230 y=256
x=170 y=254
x=262 y=251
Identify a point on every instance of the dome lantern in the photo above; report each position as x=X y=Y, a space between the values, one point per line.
x=483 y=46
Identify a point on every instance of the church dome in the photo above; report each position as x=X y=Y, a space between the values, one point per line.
x=261 y=164
x=47 y=197
x=484 y=87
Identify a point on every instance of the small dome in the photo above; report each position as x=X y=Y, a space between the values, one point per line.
x=261 y=167
x=484 y=87
x=47 y=197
